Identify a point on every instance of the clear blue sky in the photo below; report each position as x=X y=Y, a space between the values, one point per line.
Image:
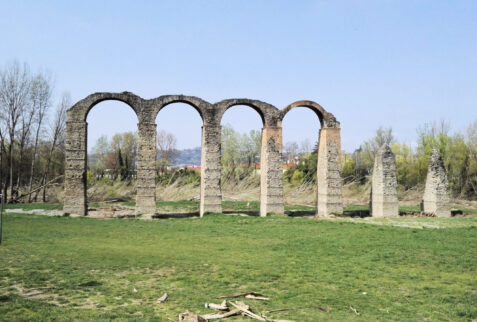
x=370 y=63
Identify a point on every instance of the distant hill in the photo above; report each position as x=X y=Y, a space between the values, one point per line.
x=188 y=157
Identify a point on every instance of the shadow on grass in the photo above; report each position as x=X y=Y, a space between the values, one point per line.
x=245 y=212
x=300 y=213
x=176 y=215
x=357 y=213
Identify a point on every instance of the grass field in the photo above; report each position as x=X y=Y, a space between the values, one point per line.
x=59 y=268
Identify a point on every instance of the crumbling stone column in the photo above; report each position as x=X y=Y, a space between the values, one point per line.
x=271 y=180
x=436 y=195
x=384 y=200
x=146 y=174
x=329 y=171
x=75 y=169
x=211 y=170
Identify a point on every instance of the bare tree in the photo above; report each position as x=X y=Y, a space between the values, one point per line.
x=14 y=90
x=291 y=151
x=40 y=96
x=57 y=136
x=166 y=144
x=305 y=146
x=26 y=121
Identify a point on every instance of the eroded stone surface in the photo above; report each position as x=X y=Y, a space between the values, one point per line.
x=330 y=200
x=271 y=191
x=436 y=195
x=384 y=199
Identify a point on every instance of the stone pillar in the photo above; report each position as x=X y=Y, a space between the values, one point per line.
x=436 y=195
x=384 y=200
x=329 y=172
x=146 y=173
x=271 y=180
x=211 y=170
x=75 y=202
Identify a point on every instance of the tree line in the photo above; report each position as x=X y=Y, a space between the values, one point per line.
x=241 y=157
x=32 y=135
x=458 y=150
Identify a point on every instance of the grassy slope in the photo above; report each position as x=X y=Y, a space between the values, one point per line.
x=407 y=274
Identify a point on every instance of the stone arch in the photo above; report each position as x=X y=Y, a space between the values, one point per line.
x=79 y=111
x=159 y=103
x=270 y=187
x=76 y=146
x=268 y=113
x=329 y=185
x=326 y=119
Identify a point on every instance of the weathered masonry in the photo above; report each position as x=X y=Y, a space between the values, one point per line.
x=271 y=192
x=436 y=194
x=384 y=197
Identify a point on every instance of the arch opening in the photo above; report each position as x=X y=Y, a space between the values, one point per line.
x=300 y=129
x=178 y=159
x=109 y=103
x=111 y=156
x=182 y=103
x=241 y=143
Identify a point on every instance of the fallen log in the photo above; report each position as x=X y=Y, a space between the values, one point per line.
x=253 y=297
x=36 y=189
x=245 y=309
x=221 y=307
x=221 y=315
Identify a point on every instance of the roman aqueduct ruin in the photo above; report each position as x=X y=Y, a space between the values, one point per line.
x=329 y=199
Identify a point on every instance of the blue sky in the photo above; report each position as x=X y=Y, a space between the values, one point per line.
x=370 y=63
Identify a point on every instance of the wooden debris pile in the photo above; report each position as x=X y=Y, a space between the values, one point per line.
x=230 y=308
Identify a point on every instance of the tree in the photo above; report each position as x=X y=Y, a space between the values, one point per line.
x=166 y=144
x=230 y=146
x=14 y=94
x=250 y=147
x=57 y=137
x=305 y=146
x=290 y=151
x=40 y=96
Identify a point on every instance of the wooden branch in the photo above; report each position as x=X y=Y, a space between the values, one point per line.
x=221 y=307
x=240 y=295
x=36 y=189
x=245 y=309
x=253 y=297
x=221 y=315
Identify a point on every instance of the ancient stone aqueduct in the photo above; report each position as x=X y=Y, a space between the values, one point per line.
x=271 y=191
x=383 y=201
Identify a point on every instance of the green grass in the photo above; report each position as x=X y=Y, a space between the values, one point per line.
x=91 y=267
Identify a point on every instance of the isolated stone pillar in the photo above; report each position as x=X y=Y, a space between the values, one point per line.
x=211 y=170
x=75 y=202
x=146 y=173
x=384 y=200
x=271 y=180
x=329 y=172
x=436 y=195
